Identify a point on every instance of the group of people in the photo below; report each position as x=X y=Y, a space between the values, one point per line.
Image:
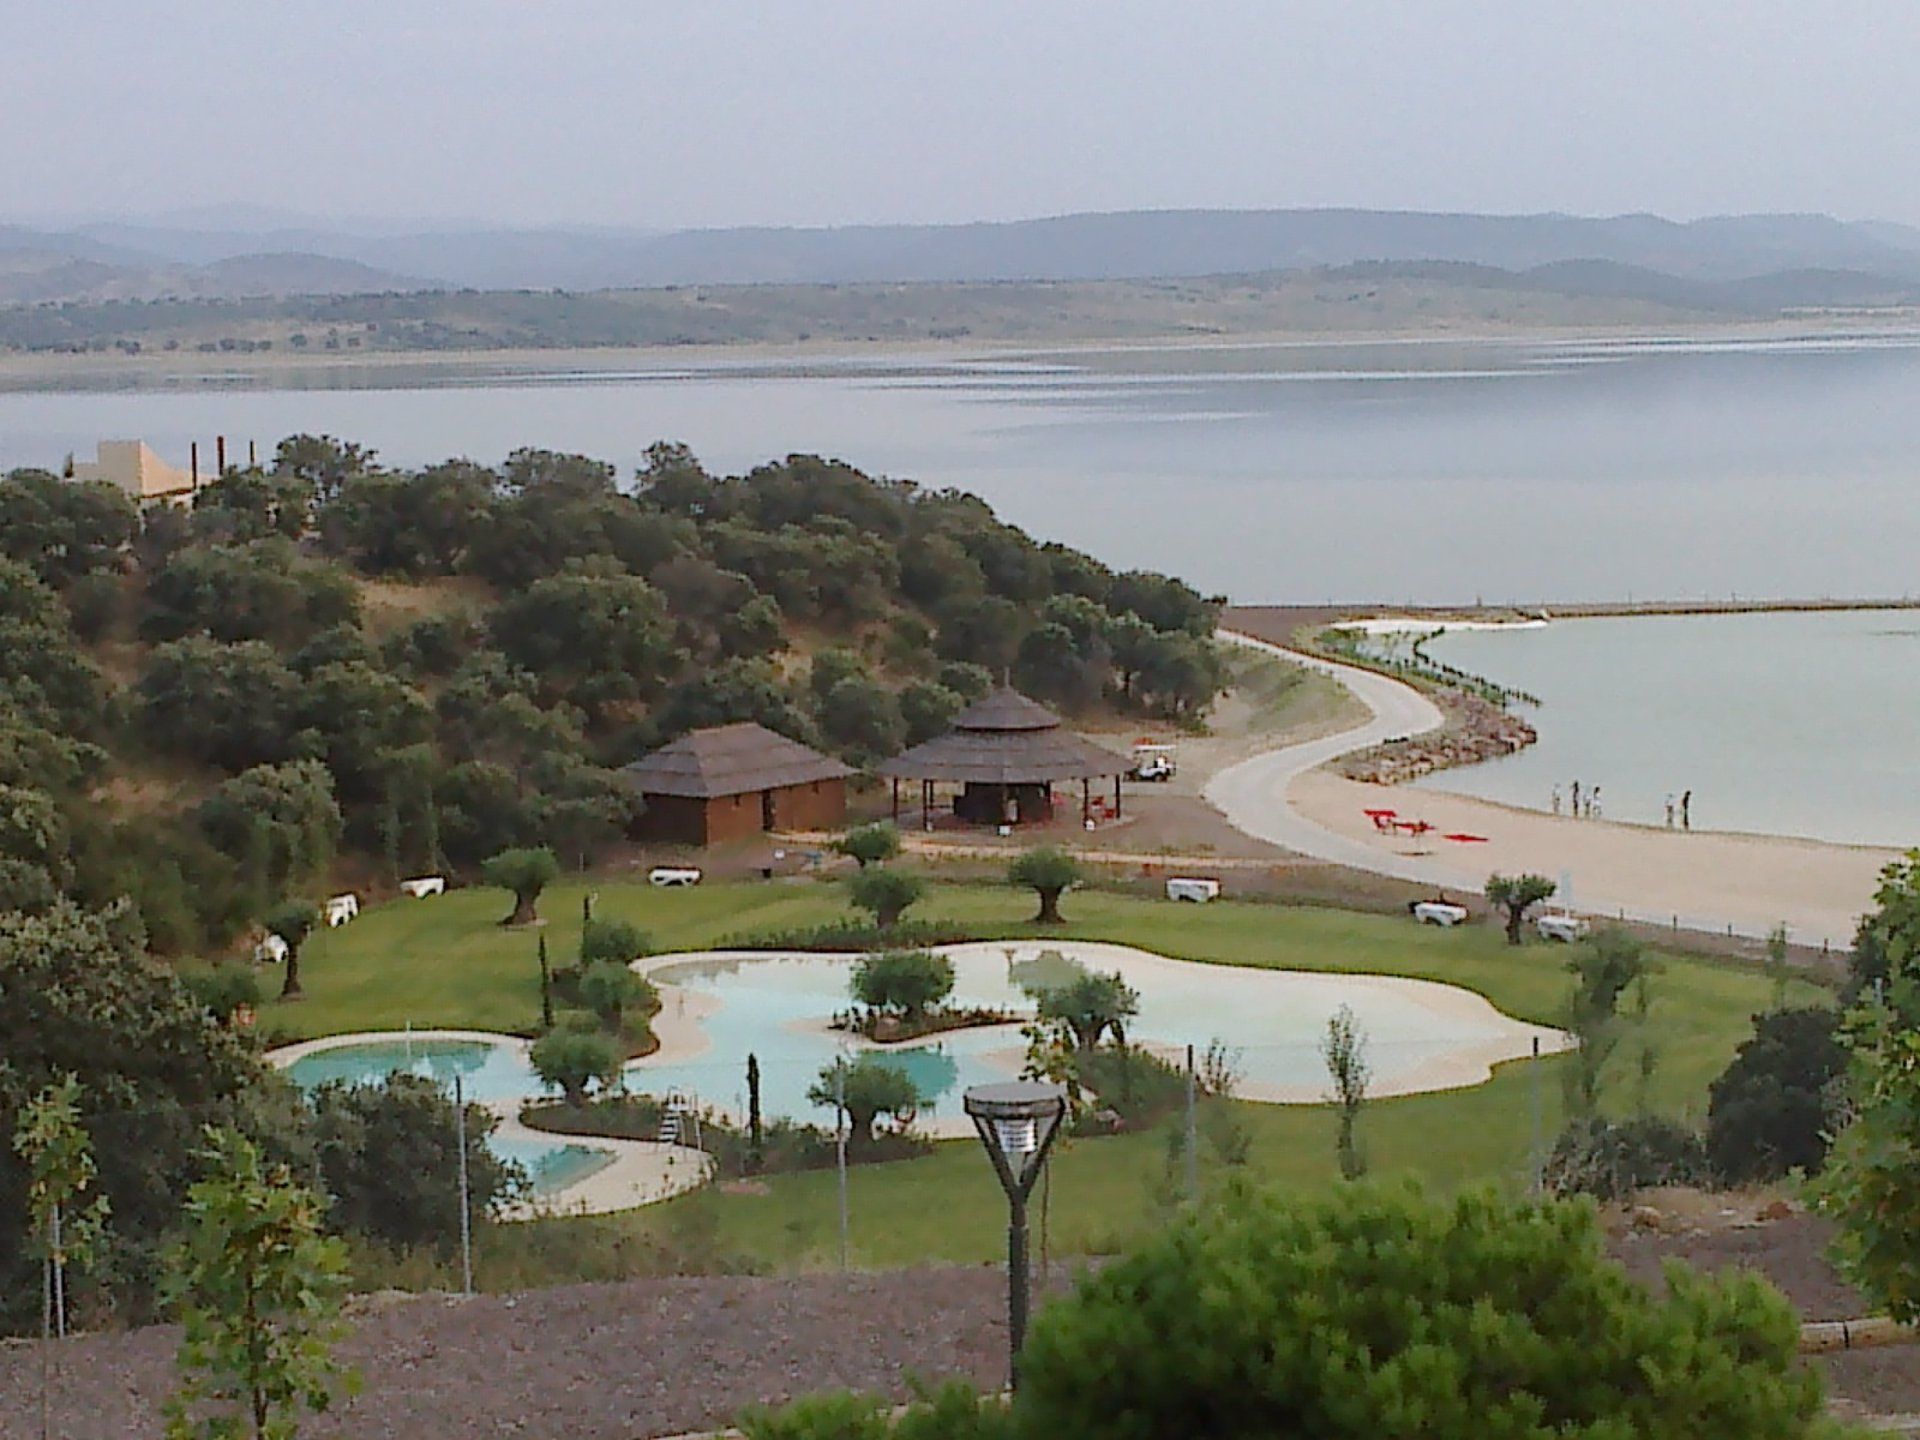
x=1586 y=806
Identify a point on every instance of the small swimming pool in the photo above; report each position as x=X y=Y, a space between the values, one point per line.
x=491 y=1073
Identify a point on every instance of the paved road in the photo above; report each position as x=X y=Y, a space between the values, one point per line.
x=1253 y=794
x=1253 y=797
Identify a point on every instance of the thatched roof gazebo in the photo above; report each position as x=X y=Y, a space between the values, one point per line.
x=1006 y=753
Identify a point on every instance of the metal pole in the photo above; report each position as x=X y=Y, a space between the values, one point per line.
x=59 y=1279
x=1193 y=1149
x=466 y=1219
x=1534 y=1071
x=1016 y=1285
x=840 y=1138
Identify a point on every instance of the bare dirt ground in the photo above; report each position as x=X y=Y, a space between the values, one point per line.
x=661 y=1357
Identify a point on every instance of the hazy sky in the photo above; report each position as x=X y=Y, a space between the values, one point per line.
x=708 y=112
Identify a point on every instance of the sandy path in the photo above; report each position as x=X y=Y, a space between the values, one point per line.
x=1705 y=880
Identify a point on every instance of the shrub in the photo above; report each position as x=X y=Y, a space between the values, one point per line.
x=572 y=1060
x=222 y=989
x=614 y=940
x=1610 y=1160
x=390 y=1157
x=909 y=981
x=1769 y=1111
x=884 y=894
x=1381 y=1314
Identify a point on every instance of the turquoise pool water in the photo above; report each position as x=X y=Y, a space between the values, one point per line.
x=487 y=1073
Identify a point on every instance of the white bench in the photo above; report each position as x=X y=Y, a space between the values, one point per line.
x=1439 y=912
x=1192 y=889
x=271 y=950
x=666 y=875
x=341 y=909
x=1561 y=925
x=423 y=886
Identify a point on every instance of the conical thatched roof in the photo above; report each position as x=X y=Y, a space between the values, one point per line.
x=1005 y=739
x=740 y=759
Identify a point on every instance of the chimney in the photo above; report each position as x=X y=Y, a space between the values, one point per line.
x=219 y=454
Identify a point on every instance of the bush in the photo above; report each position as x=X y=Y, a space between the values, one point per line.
x=223 y=989
x=1769 y=1111
x=1381 y=1314
x=613 y=940
x=1610 y=1160
x=909 y=981
x=390 y=1157
x=953 y=1412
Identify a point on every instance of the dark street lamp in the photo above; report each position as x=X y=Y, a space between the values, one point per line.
x=1017 y=1123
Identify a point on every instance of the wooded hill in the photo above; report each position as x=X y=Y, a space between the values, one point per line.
x=201 y=708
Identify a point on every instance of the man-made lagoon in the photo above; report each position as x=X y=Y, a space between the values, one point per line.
x=727 y=1005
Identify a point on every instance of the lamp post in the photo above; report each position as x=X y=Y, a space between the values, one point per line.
x=1018 y=1123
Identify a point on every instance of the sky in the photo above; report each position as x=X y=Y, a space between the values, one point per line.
x=821 y=112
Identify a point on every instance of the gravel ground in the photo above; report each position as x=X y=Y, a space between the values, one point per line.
x=661 y=1357
x=583 y=1362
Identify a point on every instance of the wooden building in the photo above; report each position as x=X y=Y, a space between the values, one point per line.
x=732 y=782
x=1006 y=753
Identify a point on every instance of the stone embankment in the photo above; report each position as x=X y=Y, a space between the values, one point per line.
x=1476 y=730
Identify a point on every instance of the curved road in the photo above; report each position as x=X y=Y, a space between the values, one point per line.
x=1253 y=797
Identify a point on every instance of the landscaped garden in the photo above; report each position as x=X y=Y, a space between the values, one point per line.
x=447 y=962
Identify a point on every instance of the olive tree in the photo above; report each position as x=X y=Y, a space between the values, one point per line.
x=870 y=844
x=866 y=1089
x=526 y=873
x=908 y=981
x=884 y=893
x=1344 y=1048
x=1517 y=894
x=1049 y=872
x=1089 y=1006
x=572 y=1060
x=293 y=922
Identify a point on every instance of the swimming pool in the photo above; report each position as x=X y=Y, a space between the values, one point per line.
x=719 y=1008
x=494 y=1073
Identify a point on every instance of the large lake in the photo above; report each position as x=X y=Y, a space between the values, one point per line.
x=1419 y=471
x=1785 y=723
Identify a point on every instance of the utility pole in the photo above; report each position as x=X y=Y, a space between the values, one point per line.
x=1193 y=1148
x=1533 y=1070
x=466 y=1219
x=840 y=1139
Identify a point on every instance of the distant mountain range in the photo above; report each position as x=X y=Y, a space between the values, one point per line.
x=1741 y=262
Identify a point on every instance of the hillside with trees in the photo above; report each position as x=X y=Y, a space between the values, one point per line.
x=325 y=660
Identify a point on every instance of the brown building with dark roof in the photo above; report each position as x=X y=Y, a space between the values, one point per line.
x=1006 y=753
x=732 y=782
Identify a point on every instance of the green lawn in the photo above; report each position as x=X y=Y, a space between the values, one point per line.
x=446 y=962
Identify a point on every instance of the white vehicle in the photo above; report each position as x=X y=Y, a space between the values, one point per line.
x=1438 y=912
x=1199 y=892
x=341 y=909
x=667 y=875
x=1561 y=925
x=1153 y=761
x=424 y=885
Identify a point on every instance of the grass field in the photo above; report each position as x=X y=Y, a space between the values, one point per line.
x=446 y=962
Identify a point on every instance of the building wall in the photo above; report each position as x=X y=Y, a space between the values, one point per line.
x=726 y=818
x=135 y=469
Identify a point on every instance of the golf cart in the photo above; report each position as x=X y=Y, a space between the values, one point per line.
x=1153 y=761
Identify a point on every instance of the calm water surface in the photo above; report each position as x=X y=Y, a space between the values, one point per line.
x=1797 y=724
x=1436 y=472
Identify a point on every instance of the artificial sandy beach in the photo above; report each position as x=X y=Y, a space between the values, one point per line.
x=1708 y=880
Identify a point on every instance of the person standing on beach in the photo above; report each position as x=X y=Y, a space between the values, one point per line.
x=1556 y=799
x=1686 y=811
x=1576 y=799
x=1669 y=810
x=1593 y=803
